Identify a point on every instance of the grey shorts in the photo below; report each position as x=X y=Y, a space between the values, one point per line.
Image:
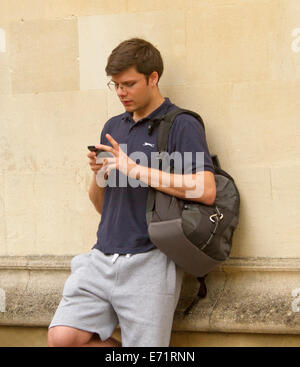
x=139 y=292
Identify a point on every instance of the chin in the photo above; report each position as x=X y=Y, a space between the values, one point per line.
x=130 y=108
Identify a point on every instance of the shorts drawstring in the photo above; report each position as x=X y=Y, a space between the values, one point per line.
x=117 y=255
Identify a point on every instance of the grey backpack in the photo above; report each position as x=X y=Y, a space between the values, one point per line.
x=197 y=237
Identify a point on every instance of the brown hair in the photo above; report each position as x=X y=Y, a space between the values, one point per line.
x=138 y=53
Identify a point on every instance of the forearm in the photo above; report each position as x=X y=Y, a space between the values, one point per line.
x=96 y=194
x=196 y=187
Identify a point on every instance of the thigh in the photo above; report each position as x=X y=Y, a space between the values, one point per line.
x=147 y=299
x=85 y=305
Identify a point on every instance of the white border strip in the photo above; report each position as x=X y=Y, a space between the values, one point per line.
x=2 y=40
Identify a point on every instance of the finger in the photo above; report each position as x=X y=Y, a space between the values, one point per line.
x=107 y=168
x=92 y=163
x=95 y=165
x=112 y=141
x=91 y=155
x=106 y=148
x=109 y=160
x=110 y=167
x=101 y=180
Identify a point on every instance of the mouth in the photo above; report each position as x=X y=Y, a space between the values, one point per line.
x=126 y=103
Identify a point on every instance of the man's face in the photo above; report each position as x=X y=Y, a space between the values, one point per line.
x=133 y=89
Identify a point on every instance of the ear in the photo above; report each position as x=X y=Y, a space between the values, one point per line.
x=153 y=79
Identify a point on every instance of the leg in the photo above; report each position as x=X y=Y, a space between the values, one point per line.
x=84 y=311
x=65 y=336
x=147 y=298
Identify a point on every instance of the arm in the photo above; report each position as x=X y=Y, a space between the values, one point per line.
x=96 y=193
x=200 y=187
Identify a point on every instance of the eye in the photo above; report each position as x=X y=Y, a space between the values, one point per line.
x=129 y=84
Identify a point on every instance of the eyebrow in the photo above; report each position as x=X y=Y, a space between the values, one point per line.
x=126 y=81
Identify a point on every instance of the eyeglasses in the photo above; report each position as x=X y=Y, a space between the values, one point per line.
x=126 y=86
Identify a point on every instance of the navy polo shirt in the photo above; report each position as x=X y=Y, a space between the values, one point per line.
x=123 y=226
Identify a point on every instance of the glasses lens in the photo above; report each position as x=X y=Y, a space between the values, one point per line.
x=110 y=85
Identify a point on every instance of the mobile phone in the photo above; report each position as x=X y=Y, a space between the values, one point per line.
x=104 y=153
x=92 y=148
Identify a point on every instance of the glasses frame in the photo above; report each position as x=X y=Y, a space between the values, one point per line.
x=113 y=86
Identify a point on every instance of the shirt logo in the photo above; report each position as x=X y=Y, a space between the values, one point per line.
x=148 y=144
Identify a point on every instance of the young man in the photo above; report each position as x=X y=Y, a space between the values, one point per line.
x=125 y=279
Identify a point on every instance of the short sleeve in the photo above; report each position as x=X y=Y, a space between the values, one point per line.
x=188 y=146
x=104 y=131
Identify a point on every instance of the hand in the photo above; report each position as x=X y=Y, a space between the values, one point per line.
x=95 y=167
x=119 y=161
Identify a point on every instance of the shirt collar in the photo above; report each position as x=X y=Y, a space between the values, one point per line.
x=127 y=116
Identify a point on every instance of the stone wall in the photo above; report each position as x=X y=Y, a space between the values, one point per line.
x=235 y=62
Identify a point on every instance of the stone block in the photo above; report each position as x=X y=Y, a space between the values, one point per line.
x=285 y=53
x=213 y=103
x=286 y=209
x=48 y=214
x=47 y=9
x=99 y=35
x=44 y=56
x=20 y=214
x=254 y=234
x=114 y=106
x=14 y=285
x=11 y=336
x=256 y=299
x=31 y=296
x=67 y=221
x=50 y=131
x=199 y=316
x=144 y=5
x=264 y=122
x=187 y=339
x=229 y=41
x=5 y=85
x=269 y=211
x=213 y=3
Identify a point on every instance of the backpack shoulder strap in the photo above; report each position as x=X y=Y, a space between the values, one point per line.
x=178 y=111
x=165 y=124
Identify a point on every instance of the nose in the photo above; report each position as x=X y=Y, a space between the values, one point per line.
x=121 y=91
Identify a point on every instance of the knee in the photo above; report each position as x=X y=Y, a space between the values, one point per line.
x=60 y=337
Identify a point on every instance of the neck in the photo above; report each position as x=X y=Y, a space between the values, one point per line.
x=152 y=106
